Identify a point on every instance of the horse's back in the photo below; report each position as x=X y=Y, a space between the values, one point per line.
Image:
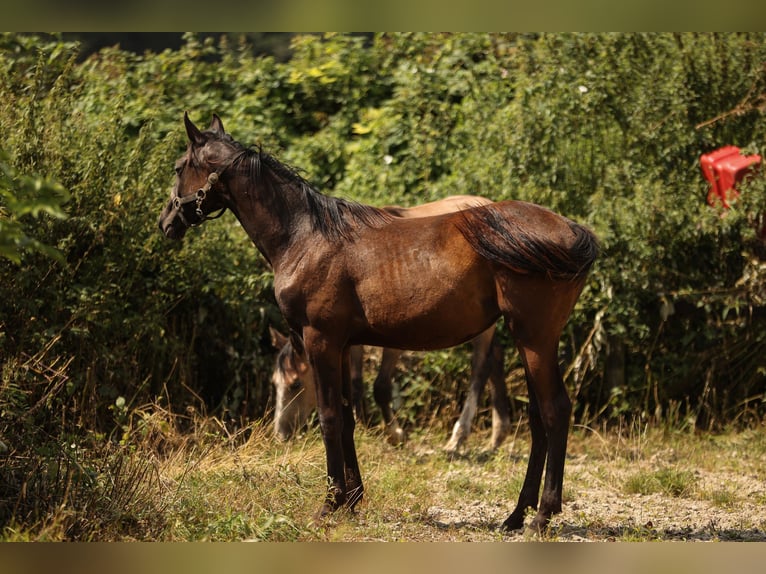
x=449 y=204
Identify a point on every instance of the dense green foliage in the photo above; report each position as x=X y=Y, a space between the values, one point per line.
x=604 y=128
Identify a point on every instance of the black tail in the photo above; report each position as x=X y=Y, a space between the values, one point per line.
x=527 y=248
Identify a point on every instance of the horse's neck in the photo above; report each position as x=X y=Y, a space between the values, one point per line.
x=272 y=225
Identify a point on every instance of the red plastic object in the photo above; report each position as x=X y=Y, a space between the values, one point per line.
x=724 y=168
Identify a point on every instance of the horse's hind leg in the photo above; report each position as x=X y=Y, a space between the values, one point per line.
x=530 y=491
x=383 y=393
x=549 y=411
x=536 y=322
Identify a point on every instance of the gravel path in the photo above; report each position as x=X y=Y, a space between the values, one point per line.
x=719 y=495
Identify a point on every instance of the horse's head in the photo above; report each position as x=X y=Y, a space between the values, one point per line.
x=294 y=388
x=200 y=186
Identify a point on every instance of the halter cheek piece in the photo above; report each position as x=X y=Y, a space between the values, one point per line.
x=198 y=198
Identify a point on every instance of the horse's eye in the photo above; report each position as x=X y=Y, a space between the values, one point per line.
x=179 y=169
x=296 y=385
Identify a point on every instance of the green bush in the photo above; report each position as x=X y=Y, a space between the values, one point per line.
x=605 y=128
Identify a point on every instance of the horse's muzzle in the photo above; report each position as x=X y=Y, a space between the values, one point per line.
x=171 y=227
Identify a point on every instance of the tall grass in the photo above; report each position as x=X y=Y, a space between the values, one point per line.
x=211 y=484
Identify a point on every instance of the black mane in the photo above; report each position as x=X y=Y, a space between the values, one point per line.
x=333 y=217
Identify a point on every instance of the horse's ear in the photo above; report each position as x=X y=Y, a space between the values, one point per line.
x=277 y=338
x=297 y=342
x=216 y=125
x=195 y=136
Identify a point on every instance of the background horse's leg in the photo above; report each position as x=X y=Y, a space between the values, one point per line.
x=549 y=412
x=484 y=364
x=357 y=384
x=382 y=391
x=501 y=404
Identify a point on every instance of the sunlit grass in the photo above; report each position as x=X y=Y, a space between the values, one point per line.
x=669 y=481
x=209 y=485
x=722 y=497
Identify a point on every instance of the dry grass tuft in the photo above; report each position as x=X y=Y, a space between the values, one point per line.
x=194 y=479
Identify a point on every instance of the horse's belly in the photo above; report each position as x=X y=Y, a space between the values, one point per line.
x=419 y=302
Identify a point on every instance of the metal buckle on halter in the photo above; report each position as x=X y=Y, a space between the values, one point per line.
x=198 y=198
x=201 y=195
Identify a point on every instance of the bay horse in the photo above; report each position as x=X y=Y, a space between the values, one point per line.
x=295 y=391
x=351 y=274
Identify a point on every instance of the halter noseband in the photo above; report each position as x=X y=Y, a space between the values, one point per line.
x=199 y=197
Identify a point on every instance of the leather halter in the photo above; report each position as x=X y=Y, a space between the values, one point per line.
x=198 y=198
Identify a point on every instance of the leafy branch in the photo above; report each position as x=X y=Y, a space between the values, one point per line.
x=24 y=198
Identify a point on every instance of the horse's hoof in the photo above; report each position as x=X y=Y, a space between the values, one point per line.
x=539 y=525
x=321 y=515
x=498 y=436
x=513 y=522
x=455 y=443
x=395 y=436
x=354 y=497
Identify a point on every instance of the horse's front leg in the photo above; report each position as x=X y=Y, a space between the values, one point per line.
x=326 y=364
x=354 y=487
x=336 y=420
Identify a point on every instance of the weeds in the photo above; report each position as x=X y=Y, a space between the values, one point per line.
x=723 y=497
x=669 y=481
x=210 y=483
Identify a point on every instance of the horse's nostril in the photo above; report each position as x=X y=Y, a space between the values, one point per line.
x=282 y=436
x=171 y=231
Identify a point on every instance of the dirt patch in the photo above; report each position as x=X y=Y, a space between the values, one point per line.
x=712 y=492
